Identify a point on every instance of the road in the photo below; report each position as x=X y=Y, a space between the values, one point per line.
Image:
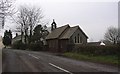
x=0 y=60
x=29 y=61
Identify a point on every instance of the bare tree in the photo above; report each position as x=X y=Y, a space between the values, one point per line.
x=6 y=9
x=112 y=35
x=23 y=21
x=28 y=18
x=34 y=17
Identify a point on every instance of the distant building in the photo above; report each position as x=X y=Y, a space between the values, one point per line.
x=93 y=43
x=102 y=43
x=99 y=43
x=18 y=38
x=62 y=37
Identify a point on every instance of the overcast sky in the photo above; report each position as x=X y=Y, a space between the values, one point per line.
x=93 y=16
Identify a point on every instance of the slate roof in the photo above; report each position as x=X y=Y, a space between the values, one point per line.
x=64 y=32
x=57 y=32
x=69 y=32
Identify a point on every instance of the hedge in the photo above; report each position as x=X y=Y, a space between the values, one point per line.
x=33 y=46
x=98 y=50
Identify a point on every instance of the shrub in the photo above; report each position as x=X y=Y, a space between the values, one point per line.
x=36 y=46
x=33 y=46
x=19 y=45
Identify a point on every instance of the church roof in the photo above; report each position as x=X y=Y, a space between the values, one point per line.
x=64 y=32
x=69 y=32
x=57 y=32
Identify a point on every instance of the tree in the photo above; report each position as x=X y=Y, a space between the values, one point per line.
x=28 y=18
x=112 y=35
x=6 y=9
x=34 y=17
x=38 y=37
x=7 y=39
x=39 y=33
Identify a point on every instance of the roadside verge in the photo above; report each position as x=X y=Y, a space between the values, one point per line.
x=108 y=60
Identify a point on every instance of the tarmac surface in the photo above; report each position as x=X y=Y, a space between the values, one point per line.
x=31 y=61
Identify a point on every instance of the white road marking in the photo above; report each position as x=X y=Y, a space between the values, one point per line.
x=53 y=65
x=60 y=68
x=33 y=56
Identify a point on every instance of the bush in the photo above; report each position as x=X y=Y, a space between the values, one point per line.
x=36 y=46
x=45 y=48
x=19 y=45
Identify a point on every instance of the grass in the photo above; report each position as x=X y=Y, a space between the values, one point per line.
x=108 y=59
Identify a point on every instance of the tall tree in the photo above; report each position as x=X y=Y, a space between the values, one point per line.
x=6 y=9
x=28 y=18
x=34 y=17
x=112 y=35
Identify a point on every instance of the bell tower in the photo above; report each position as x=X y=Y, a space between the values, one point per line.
x=53 y=25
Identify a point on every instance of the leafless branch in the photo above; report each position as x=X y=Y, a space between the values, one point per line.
x=6 y=9
x=112 y=35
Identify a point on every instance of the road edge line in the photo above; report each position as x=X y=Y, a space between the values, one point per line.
x=60 y=68
x=33 y=56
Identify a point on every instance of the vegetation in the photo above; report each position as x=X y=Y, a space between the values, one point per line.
x=37 y=39
x=98 y=50
x=28 y=17
x=100 y=54
x=19 y=45
x=111 y=35
x=30 y=21
x=7 y=39
x=6 y=9
x=107 y=59
x=36 y=46
x=39 y=34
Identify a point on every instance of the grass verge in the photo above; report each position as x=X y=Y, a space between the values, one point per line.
x=108 y=59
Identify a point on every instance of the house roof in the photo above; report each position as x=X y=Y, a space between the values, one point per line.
x=64 y=32
x=16 y=38
x=57 y=32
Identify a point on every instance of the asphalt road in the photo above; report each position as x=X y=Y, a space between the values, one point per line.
x=0 y=60
x=29 y=61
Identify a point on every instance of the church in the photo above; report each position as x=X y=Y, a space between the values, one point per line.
x=63 y=38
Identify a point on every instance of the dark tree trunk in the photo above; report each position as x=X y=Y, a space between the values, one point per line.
x=30 y=34
x=26 y=36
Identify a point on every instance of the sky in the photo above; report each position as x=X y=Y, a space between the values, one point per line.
x=92 y=16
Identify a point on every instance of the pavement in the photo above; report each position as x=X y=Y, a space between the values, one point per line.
x=29 y=61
